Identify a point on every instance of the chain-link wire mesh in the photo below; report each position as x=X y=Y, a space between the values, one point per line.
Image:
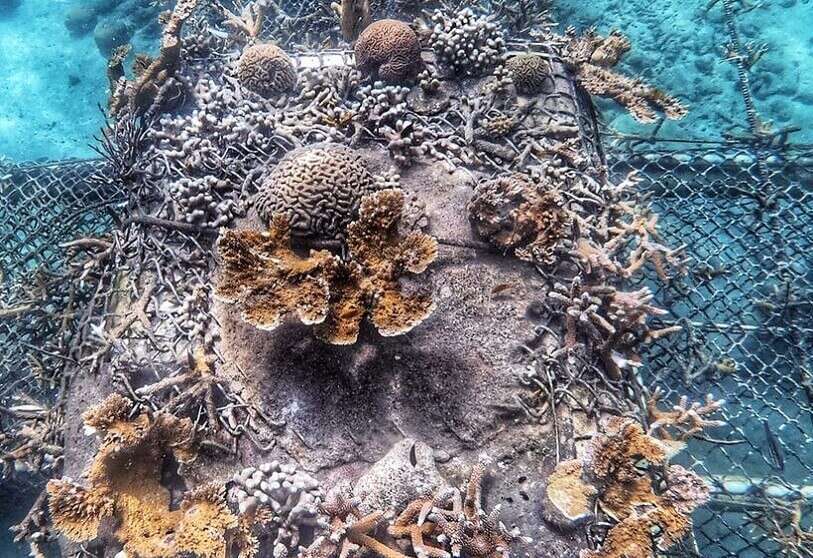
x=744 y=215
x=745 y=308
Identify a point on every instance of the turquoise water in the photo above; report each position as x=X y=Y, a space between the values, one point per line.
x=54 y=79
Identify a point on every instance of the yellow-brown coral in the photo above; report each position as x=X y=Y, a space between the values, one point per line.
x=592 y=57
x=568 y=498
x=124 y=483
x=263 y=275
x=266 y=70
x=626 y=468
x=369 y=284
x=514 y=212
x=388 y=50
x=269 y=280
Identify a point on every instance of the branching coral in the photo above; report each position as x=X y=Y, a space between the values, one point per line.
x=466 y=43
x=354 y=16
x=456 y=522
x=288 y=497
x=388 y=50
x=349 y=530
x=684 y=420
x=627 y=471
x=516 y=212
x=139 y=95
x=268 y=280
x=592 y=57
x=124 y=483
x=317 y=188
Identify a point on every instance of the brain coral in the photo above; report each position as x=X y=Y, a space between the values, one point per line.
x=266 y=70
x=318 y=188
x=529 y=72
x=389 y=50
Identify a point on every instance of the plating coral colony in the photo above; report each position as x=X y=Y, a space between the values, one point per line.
x=369 y=291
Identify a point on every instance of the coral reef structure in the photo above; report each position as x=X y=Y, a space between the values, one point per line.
x=388 y=50
x=628 y=473
x=279 y=501
x=467 y=44
x=124 y=483
x=317 y=188
x=530 y=73
x=266 y=70
x=268 y=280
x=593 y=58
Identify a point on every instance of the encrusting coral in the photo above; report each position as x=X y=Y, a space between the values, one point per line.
x=522 y=214
x=388 y=50
x=268 y=280
x=628 y=473
x=592 y=58
x=317 y=188
x=124 y=483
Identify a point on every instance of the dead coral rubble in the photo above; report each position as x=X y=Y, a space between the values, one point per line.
x=592 y=58
x=626 y=470
x=389 y=50
x=124 y=483
x=268 y=280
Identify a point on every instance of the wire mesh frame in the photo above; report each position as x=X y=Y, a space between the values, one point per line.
x=746 y=303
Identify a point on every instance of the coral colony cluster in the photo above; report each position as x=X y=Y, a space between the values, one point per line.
x=252 y=182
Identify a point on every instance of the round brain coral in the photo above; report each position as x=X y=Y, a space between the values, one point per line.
x=529 y=72
x=318 y=188
x=389 y=50
x=266 y=70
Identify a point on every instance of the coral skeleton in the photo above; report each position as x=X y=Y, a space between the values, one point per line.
x=592 y=57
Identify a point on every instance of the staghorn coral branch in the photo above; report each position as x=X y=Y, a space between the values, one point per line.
x=685 y=420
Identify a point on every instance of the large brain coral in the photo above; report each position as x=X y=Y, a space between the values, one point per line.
x=266 y=70
x=389 y=50
x=318 y=189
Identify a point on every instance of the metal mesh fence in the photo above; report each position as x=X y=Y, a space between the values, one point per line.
x=745 y=308
x=745 y=215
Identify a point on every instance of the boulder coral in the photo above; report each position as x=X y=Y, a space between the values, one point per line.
x=389 y=50
x=317 y=188
x=124 y=484
x=266 y=70
x=264 y=276
x=529 y=72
